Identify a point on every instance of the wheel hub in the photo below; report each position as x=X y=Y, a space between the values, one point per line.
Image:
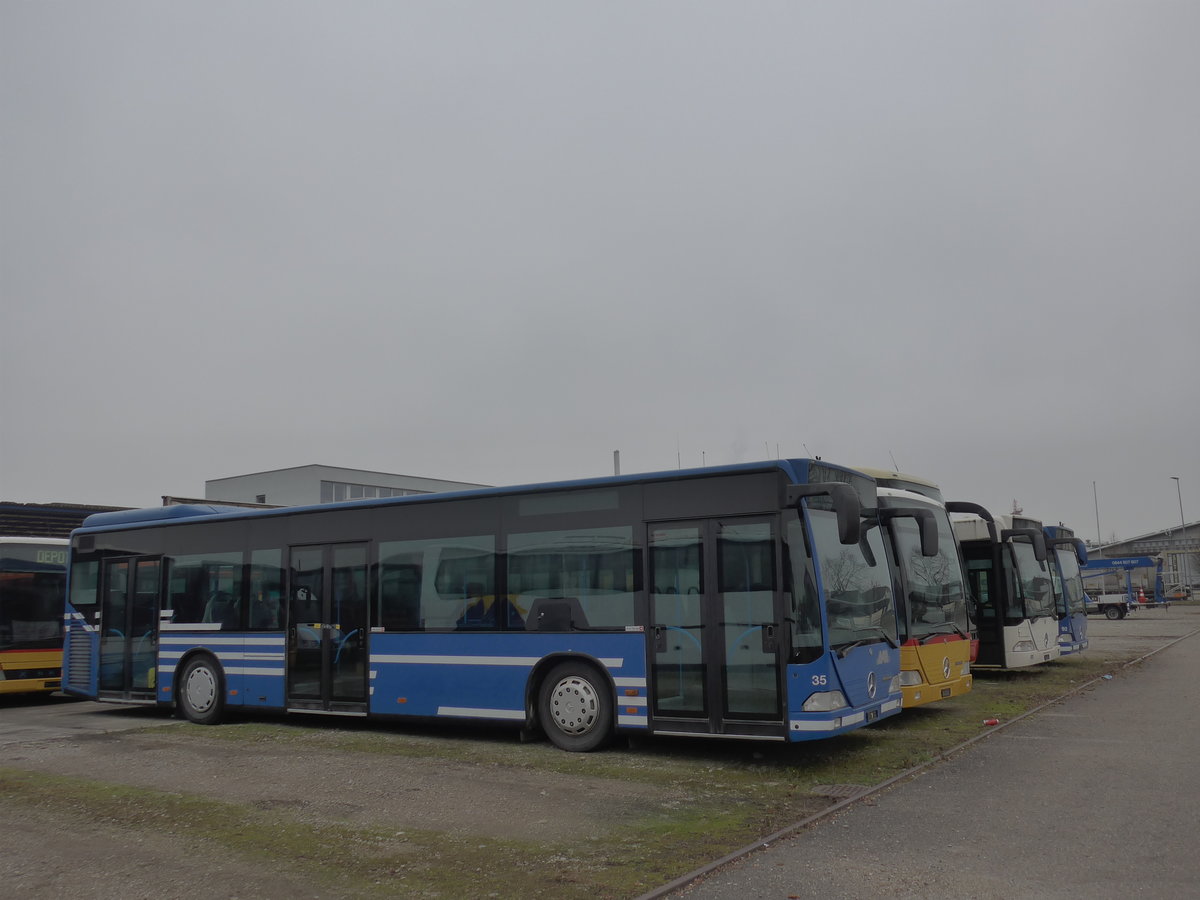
x=201 y=689
x=574 y=705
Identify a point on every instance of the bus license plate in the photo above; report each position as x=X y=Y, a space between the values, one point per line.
x=945 y=693
x=872 y=715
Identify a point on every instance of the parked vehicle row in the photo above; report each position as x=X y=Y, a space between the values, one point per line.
x=784 y=600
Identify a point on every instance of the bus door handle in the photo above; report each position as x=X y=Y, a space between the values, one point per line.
x=660 y=639
x=769 y=643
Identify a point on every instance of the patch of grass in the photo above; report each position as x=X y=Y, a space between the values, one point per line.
x=351 y=860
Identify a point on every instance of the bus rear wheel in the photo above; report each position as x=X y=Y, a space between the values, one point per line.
x=200 y=692
x=575 y=707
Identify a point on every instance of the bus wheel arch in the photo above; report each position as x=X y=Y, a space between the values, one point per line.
x=200 y=689
x=574 y=704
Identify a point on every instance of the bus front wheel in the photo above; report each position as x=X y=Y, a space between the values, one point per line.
x=199 y=691
x=575 y=707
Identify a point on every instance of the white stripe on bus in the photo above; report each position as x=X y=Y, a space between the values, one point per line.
x=225 y=657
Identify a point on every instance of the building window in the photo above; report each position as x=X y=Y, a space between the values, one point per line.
x=337 y=491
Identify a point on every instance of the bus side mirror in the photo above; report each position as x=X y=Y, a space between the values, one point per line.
x=1076 y=545
x=964 y=506
x=1035 y=536
x=845 y=505
x=925 y=522
x=1039 y=546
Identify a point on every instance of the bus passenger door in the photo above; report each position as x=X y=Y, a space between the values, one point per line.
x=714 y=624
x=129 y=629
x=988 y=621
x=327 y=628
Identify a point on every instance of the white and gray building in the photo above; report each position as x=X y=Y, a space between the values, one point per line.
x=313 y=484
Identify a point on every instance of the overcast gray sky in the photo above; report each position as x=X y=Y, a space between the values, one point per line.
x=494 y=242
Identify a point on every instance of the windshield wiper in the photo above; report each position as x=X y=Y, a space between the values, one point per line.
x=876 y=634
x=946 y=628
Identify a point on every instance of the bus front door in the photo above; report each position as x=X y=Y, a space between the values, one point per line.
x=715 y=627
x=327 y=628
x=129 y=629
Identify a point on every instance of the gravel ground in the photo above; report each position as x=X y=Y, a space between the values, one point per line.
x=45 y=857
x=48 y=854
x=335 y=786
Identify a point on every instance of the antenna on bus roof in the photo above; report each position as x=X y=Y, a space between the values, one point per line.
x=895 y=467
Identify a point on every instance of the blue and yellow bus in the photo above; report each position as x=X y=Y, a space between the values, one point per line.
x=932 y=606
x=33 y=578
x=750 y=601
x=1067 y=553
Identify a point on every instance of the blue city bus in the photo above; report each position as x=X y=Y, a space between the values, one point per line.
x=1066 y=554
x=750 y=601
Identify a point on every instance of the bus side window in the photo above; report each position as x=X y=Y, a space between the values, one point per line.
x=266 y=589
x=206 y=589
x=222 y=609
x=438 y=584
x=400 y=596
x=587 y=578
x=480 y=612
x=465 y=583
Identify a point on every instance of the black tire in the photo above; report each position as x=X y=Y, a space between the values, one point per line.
x=575 y=707
x=1112 y=613
x=200 y=691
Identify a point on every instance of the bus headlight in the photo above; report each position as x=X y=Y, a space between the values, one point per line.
x=1024 y=647
x=910 y=677
x=894 y=685
x=825 y=701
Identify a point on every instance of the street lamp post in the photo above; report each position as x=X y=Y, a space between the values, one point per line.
x=1187 y=582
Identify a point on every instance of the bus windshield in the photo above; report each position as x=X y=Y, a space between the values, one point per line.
x=937 y=597
x=1032 y=582
x=1072 y=580
x=31 y=607
x=858 y=587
